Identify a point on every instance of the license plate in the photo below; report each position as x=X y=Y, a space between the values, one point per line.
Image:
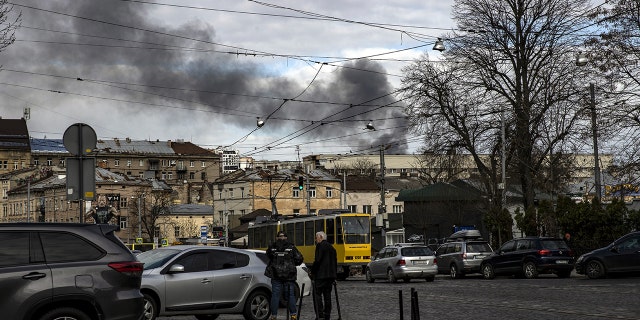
x=562 y=261
x=421 y=262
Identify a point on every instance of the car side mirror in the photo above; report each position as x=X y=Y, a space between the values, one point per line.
x=614 y=249
x=176 y=268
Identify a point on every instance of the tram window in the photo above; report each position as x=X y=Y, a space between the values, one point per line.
x=319 y=226
x=330 y=231
x=299 y=236
x=252 y=239
x=309 y=234
x=339 y=231
x=288 y=229
x=271 y=235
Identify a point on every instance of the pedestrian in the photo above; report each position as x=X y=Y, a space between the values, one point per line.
x=323 y=272
x=283 y=259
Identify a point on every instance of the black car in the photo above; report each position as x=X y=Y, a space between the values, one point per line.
x=51 y=271
x=529 y=257
x=621 y=256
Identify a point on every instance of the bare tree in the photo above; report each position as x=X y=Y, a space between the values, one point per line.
x=512 y=67
x=613 y=54
x=440 y=167
x=9 y=22
x=363 y=166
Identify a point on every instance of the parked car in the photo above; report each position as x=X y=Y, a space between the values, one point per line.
x=204 y=281
x=462 y=254
x=52 y=271
x=621 y=256
x=404 y=261
x=529 y=257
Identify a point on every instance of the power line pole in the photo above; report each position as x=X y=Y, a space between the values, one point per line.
x=594 y=127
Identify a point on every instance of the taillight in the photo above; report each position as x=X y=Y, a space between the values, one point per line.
x=131 y=268
x=435 y=261
x=544 y=252
x=401 y=262
x=464 y=256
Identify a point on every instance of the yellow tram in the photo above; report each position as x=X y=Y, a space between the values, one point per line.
x=349 y=233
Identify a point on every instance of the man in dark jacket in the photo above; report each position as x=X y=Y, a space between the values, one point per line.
x=323 y=271
x=283 y=259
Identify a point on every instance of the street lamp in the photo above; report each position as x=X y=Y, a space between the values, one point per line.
x=439 y=45
x=582 y=60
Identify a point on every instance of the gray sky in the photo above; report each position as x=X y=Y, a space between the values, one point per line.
x=205 y=71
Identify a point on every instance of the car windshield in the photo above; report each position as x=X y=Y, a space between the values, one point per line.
x=553 y=244
x=478 y=247
x=416 y=252
x=156 y=258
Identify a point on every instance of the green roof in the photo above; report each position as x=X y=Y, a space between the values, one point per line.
x=440 y=191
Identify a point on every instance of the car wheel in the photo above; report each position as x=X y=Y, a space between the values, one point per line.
x=488 y=272
x=257 y=306
x=430 y=279
x=391 y=276
x=150 y=308
x=454 y=273
x=207 y=316
x=595 y=269
x=529 y=270
x=369 y=277
x=65 y=313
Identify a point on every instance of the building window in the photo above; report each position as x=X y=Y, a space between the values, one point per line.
x=191 y=164
x=116 y=162
x=192 y=175
x=329 y=192
x=203 y=164
x=203 y=176
x=296 y=211
x=242 y=192
x=366 y=209
x=169 y=175
x=397 y=208
x=35 y=161
x=164 y=162
x=123 y=222
x=296 y=192
x=176 y=231
x=353 y=208
x=15 y=165
x=141 y=163
x=156 y=232
x=129 y=163
x=312 y=192
x=62 y=163
x=123 y=202
x=230 y=193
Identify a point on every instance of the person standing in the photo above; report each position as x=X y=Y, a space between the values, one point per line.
x=324 y=273
x=102 y=213
x=283 y=259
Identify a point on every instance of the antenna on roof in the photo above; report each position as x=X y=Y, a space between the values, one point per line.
x=26 y=114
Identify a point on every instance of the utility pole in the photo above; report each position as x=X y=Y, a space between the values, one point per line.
x=594 y=127
x=383 y=207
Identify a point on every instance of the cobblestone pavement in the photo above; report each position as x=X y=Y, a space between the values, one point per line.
x=548 y=297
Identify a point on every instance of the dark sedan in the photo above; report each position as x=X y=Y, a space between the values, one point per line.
x=621 y=256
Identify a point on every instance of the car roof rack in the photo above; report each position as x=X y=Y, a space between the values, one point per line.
x=409 y=244
x=472 y=234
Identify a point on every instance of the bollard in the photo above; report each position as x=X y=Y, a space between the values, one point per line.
x=335 y=287
x=400 y=304
x=415 y=308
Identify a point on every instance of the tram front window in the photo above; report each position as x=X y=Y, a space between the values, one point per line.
x=356 y=230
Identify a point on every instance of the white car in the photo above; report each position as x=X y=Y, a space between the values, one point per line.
x=303 y=274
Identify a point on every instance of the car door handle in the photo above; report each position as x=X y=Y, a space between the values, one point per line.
x=205 y=280
x=34 y=276
x=244 y=276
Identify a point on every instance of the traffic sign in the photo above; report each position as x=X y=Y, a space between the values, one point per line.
x=79 y=139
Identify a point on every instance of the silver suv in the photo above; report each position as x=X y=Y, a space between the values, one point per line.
x=67 y=271
x=404 y=261
x=462 y=254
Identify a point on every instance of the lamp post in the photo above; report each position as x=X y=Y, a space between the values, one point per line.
x=140 y=197
x=582 y=60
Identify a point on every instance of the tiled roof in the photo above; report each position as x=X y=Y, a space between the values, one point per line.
x=14 y=134
x=47 y=146
x=134 y=147
x=188 y=148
